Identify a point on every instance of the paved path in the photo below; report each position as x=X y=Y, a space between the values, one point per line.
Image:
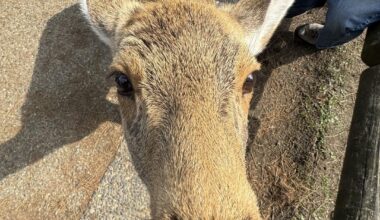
x=60 y=128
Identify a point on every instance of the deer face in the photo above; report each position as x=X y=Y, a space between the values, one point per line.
x=184 y=72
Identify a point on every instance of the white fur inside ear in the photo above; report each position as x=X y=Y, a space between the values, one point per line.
x=276 y=11
x=102 y=36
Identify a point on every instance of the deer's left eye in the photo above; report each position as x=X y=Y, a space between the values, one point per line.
x=249 y=84
x=124 y=84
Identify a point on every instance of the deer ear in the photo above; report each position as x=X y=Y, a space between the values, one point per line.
x=260 y=19
x=106 y=16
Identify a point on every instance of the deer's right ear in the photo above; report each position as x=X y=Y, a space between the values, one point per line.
x=106 y=16
x=260 y=19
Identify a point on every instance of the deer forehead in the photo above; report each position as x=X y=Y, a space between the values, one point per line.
x=181 y=43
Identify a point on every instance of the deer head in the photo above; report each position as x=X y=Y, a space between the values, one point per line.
x=184 y=70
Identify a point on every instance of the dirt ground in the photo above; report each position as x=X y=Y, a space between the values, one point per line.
x=299 y=123
x=60 y=137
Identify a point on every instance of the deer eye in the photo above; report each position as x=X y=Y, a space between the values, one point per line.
x=123 y=83
x=249 y=84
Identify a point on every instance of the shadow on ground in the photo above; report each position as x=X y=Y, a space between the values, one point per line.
x=66 y=100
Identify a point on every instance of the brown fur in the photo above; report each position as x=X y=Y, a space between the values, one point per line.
x=187 y=121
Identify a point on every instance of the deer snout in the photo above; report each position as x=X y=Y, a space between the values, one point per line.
x=175 y=217
x=201 y=173
x=240 y=216
x=209 y=200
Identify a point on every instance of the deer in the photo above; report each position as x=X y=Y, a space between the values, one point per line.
x=185 y=73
